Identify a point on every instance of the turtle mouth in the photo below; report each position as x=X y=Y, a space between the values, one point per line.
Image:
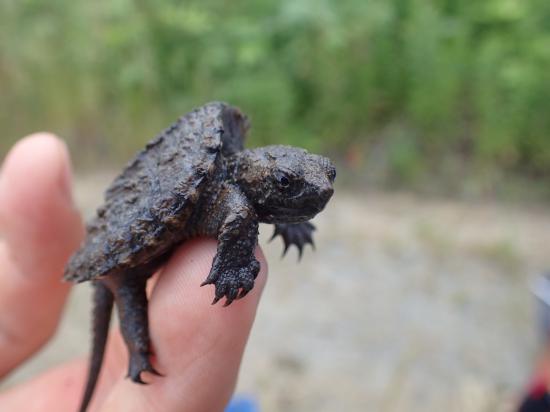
x=305 y=211
x=289 y=214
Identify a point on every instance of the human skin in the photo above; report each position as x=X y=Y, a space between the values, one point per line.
x=198 y=347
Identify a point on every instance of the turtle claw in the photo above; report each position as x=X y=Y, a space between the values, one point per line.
x=137 y=379
x=243 y=293
x=139 y=363
x=300 y=251
x=155 y=372
x=210 y=279
x=233 y=283
x=298 y=234
x=287 y=245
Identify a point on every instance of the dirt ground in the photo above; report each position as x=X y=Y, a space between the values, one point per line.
x=408 y=304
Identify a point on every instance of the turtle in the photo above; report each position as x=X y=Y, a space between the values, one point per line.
x=194 y=179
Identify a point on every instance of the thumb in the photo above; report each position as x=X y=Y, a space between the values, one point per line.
x=40 y=228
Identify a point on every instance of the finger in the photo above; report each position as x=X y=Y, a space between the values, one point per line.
x=198 y=346
x=40 y=228
x=56 y=390
x=66 y=383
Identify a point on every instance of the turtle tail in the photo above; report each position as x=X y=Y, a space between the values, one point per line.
x=103 y=306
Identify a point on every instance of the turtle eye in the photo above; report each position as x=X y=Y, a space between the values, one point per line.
x=332 y=174
x=283 y=181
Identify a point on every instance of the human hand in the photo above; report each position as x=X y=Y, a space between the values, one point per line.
x=198 y=347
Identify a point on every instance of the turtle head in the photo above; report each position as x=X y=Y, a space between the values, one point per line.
x=285 y=184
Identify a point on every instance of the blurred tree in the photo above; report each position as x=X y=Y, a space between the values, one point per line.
x=458 y=77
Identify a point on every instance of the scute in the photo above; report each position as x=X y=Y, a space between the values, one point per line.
x=147 y=206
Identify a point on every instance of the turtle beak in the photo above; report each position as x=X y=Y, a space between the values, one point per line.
x=326 y=192
x=325 y=188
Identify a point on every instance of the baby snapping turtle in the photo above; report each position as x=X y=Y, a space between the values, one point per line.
x=194 y=179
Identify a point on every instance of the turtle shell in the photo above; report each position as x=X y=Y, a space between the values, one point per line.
x=148 y=206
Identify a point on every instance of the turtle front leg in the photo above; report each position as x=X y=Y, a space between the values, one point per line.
x=131 y=302
x=235 y=267
x=298 y=234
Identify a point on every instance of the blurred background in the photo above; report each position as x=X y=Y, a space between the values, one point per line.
x=437 y=114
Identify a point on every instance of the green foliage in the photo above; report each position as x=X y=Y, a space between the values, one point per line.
x=466 y=76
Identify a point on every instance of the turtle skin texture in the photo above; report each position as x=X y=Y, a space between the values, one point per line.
x=194 y=179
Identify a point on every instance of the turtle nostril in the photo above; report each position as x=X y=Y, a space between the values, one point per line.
x=326 y=193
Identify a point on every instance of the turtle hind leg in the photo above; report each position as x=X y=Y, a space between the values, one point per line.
x=131 y=301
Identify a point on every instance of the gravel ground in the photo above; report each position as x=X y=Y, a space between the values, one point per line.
x=409 y=304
